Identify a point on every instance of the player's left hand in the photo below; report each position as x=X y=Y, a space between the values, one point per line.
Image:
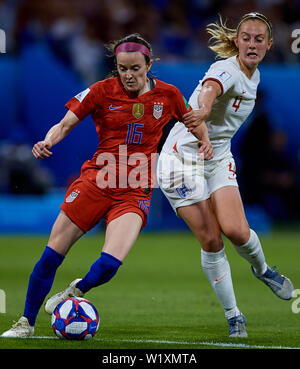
x=193 y=119
x=206 y=148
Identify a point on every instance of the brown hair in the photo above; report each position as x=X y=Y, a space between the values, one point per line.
x=134 y=37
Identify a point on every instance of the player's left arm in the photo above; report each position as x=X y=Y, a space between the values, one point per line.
x=41 y=149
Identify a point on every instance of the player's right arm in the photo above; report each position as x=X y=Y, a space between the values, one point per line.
x=204 y=144
x=194 y=120
x=206 y=98
x=41 y=149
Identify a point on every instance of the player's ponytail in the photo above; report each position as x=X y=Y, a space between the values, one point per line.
x=221 y=41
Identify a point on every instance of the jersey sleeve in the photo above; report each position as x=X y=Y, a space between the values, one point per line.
x=85 y=102
x=180 y=105
x=221 y=73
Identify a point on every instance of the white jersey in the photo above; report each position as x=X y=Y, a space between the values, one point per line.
x=229 y=111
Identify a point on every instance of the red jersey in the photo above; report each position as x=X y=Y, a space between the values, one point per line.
x=129 y=129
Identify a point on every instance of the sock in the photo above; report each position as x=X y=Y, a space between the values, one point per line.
x=40 y=282
x=217 y=270
x=101 y=272
x=253 y=253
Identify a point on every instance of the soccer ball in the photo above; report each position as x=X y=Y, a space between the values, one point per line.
x=75 y=319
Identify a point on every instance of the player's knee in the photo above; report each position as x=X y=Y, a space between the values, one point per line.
x=237 y=235
x=212 y=244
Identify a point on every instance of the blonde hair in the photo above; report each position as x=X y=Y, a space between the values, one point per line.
x=222 y=37
x=221 y=41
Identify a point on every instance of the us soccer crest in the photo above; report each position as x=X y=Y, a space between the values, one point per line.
x=157 y=110
x=138 y=110
x=72 y=196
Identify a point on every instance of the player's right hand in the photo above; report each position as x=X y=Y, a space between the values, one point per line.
x=193 y=119
x=206 y=148
x=41 y=150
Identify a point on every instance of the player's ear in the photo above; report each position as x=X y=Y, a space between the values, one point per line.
x=270 y=43
x=149 y=65
x=235 y=40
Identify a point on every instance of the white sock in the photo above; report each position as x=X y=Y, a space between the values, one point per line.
x=217 y=270
x=253 y=253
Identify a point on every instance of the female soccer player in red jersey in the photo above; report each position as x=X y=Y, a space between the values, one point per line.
x=130 y=112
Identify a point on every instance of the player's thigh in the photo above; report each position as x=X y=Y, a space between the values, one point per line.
x=202 y=222
x=121 y=234
x=64 y=234
x=228 y=207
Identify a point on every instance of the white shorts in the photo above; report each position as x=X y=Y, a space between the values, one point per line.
x=185 y=183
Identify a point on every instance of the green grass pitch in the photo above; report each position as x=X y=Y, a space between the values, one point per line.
x=160 y=298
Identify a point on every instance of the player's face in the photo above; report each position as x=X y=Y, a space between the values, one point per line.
x=252 y=42
x=132 y=69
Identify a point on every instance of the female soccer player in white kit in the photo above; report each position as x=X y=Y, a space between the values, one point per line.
x=209 y=201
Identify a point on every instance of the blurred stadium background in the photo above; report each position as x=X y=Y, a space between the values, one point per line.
x=56 y=48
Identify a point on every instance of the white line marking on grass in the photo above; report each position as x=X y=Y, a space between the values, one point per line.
x=184 y=343
x=43 y=338
x=204 y=343
x=32 y=337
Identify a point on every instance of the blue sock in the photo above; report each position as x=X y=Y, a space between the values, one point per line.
x=40 y=282
x=101 y=272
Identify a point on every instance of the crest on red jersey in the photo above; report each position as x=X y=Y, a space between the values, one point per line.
x=138 y=110
x=157 y=110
